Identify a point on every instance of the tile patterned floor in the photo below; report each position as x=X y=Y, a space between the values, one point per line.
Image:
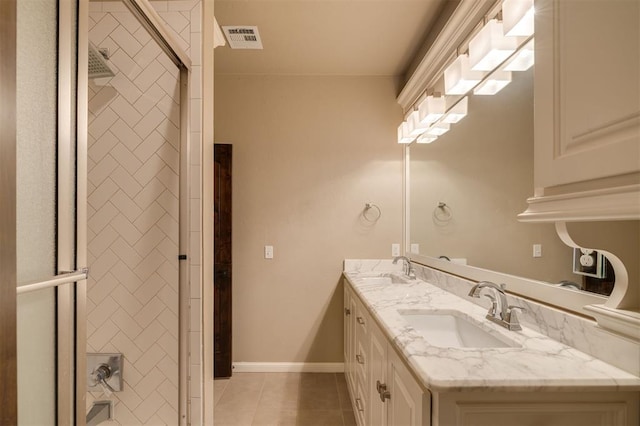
x=283 y=399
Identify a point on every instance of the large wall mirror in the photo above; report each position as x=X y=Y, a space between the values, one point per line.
x=468 y=186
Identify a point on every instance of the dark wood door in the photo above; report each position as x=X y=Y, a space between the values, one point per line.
x=222 y=272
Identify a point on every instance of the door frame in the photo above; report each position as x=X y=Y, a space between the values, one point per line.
x=152 y=22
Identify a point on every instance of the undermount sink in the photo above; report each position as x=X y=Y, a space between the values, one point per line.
x=384 y=278
x=451 y=329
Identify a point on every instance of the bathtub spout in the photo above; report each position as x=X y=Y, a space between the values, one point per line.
x=100 y=411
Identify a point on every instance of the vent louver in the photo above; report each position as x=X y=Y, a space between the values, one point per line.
x=242 y=37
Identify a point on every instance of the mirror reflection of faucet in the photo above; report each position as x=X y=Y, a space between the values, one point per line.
x=407 y=268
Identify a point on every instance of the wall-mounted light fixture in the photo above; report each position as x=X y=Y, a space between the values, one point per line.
x=489 y=48
x=493 y=52
x=459 y=78
x=518 y=17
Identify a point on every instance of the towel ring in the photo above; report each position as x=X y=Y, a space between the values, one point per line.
x=371 y=217
x=442 y=213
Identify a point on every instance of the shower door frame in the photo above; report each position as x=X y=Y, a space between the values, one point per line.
x=152 y=22
x=67 y=225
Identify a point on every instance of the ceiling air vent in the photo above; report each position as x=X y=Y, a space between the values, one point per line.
x=242 y=37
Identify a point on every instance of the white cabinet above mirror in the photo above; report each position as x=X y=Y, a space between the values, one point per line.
x=587 y=125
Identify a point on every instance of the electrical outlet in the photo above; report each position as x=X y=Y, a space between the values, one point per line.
x=537 y=250
x=395 y=250
x=415 y=248
x=268 y=252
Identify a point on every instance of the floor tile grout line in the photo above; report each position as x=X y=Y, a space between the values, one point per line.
x=221 y=393
x=335 y=376
x=255 y=412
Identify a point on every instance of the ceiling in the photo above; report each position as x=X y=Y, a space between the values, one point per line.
x=327 y=37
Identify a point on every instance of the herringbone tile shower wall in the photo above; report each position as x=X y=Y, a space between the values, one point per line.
x=134 y=142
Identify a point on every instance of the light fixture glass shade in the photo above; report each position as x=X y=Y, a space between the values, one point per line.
x=438 y=129
x=457 y=112
x=403 y=133
x=426 y=139
x=431 y=109
x=489 y=48
x=518 y=17
x=459 y=78
x=495 y=83
x=416 y=128
x=523 y=60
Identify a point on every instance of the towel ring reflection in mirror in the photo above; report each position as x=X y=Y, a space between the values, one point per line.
x=370 y=216
x=442 y=214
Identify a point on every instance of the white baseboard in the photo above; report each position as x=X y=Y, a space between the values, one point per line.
x=288 y=367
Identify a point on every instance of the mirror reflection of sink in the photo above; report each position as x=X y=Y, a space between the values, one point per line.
x=452 y=329
x=384 y=278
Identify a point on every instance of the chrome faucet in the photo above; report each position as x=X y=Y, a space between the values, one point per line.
x=505 y=316
x=407 y=268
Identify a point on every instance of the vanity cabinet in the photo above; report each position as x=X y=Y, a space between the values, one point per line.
x=587 y=111
x=383 y=391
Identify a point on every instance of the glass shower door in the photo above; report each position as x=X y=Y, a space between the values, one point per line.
x=45 y=216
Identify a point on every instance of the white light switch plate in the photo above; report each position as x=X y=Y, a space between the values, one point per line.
x=395 y=249
x=415 y=248
x=268 y=252
x=537 y=250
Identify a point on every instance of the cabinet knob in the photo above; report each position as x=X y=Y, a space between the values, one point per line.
x=347 y=311
x=360 y=320
x=360 y=359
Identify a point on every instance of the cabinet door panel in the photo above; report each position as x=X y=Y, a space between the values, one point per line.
x=361 y=403
x=587 y=90
x=405 y=405
x=351 y=352
x=377 y=373
x=348 y=335
x=361 y=356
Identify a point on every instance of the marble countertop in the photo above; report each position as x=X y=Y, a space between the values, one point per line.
x=538 y=364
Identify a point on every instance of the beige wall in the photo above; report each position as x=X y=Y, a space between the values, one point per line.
x=309 y=152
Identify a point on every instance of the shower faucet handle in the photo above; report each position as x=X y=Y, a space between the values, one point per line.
x=104 y=371
x=100 y=376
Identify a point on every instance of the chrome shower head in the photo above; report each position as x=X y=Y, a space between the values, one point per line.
x=98 y=66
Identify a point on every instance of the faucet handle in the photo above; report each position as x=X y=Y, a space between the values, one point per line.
x=512 y=318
